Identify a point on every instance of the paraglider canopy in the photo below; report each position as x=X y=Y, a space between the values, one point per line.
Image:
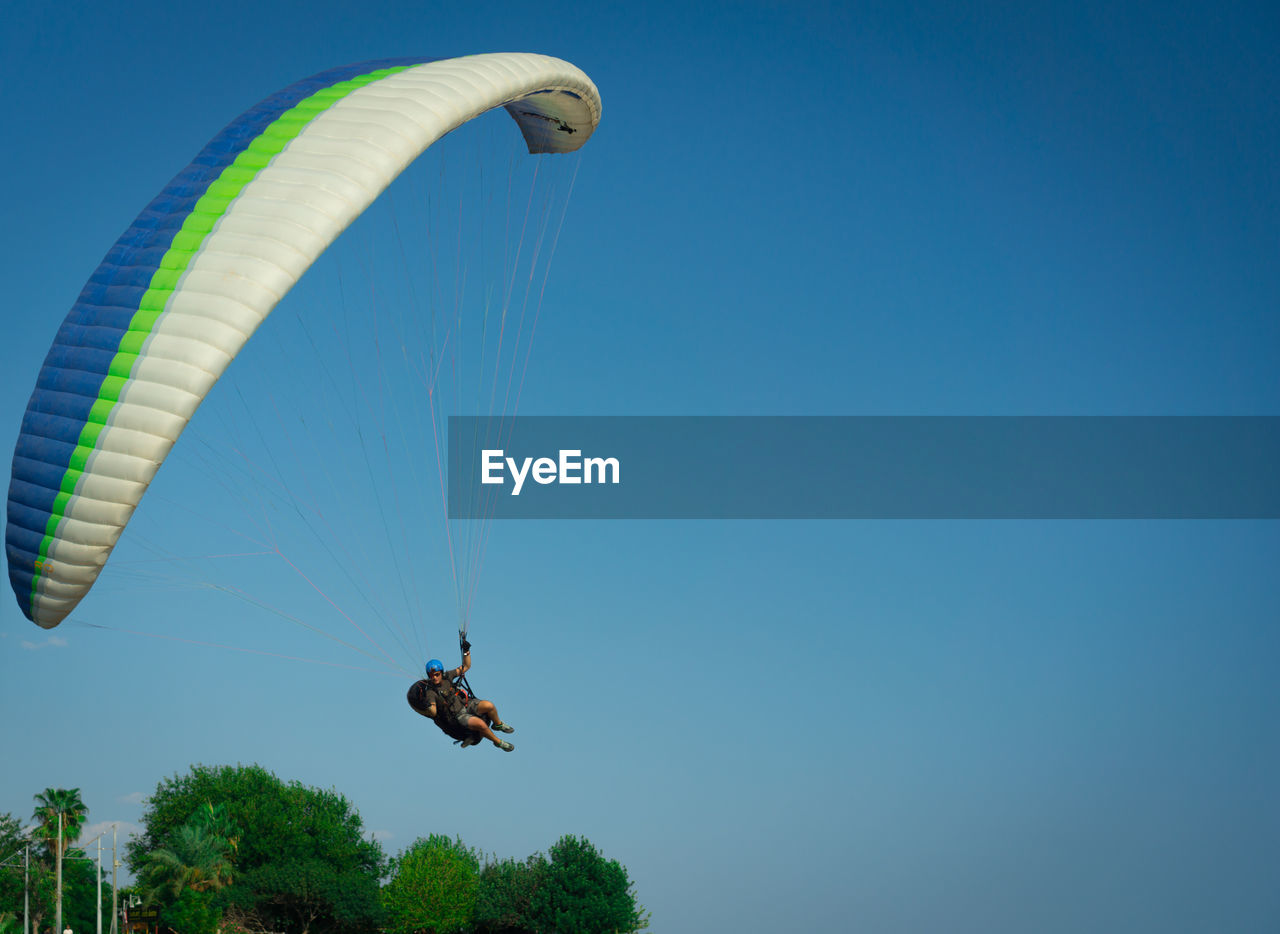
x=202 y=266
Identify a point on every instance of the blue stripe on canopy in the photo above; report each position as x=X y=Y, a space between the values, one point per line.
x=73 y=372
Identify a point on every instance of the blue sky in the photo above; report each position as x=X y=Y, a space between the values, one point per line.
x=787 y=209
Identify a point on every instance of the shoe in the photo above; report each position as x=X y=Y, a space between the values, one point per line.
x=505 y=746
x=504 y=728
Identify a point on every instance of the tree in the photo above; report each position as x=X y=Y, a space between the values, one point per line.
x=583 y=893
x=80 y=892
x=215 y=819
x=432 y=888
x=79 y=876
x=193 y=912
x=12 y=845
x=186 y=872
x=300 y=862
x=52 y=803
x=504 y=896
x=195 y=858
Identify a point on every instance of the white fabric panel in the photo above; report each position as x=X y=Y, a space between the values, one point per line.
x=90 y=536
x=247 y=293
x=175 y=373
x=140 y=397
x=205 y=328
x=99 y=513
x=266 y=218
x=129 y=455
x=259 y=208
x=131 y=416
x=108 y=489
x=180 y=349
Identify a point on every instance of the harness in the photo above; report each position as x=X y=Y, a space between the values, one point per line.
x=456 y=695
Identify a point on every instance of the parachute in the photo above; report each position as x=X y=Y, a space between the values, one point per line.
x=203 y=265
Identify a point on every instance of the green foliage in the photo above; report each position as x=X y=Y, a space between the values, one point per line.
x=192 y=913
x=195 y=858
x=79 y=875
x=214 y=820
x=11 y=839
x=176 y=801
x=583 y=893
x=237 y=850
x=505 y=896
x=308 y=893
x=11 y=855
x=575 y=891
x=53 y=802
x=79 y=892
x=12 y=845
x=299 y=861
x=432 y=888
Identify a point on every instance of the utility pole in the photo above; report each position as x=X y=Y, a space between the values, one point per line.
x=115 y=864
x=99 y=875
x=26 y=889
x=57 y=925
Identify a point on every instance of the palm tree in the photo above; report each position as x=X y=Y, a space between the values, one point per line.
x=195 y=859
x=215 y=819
x=49 y=804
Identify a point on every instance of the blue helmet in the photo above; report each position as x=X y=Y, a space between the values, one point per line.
x=435 y=665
